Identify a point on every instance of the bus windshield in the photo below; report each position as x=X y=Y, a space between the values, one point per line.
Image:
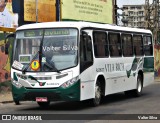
x=54 y=49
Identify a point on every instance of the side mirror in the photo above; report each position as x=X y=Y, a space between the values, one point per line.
x=6 y=48
x=7 y=44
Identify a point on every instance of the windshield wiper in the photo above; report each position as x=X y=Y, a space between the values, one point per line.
x=51 y=66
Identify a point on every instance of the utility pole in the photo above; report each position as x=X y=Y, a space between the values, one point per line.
x=36 y=11
x=115 y=11
x=58 y=2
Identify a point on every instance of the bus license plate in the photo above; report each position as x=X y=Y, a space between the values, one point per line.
x=41 y=99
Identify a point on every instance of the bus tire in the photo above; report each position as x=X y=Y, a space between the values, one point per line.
x=17 y=102
x=44 y=104
x=98 y=94
x=138 y=91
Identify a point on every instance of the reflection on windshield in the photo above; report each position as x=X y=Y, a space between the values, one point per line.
x=62 y=51
x=58 y=49
x=26 y=50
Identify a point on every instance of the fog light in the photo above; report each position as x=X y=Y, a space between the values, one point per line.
x=17 y=84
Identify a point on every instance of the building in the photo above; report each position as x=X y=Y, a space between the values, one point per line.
x=135 y=15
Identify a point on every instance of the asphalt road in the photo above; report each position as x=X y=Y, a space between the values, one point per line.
x=113 y=107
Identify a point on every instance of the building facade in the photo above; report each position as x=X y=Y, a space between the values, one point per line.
x=135 y=16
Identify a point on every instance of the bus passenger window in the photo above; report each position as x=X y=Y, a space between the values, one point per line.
x=100 y=44
x=138 y=45
x=115 y=45
x=127 y=45
x=148 y=48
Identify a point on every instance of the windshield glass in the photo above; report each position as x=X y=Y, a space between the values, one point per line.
x=48 y=49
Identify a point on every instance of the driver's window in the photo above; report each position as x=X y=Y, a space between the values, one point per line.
x=86 y=54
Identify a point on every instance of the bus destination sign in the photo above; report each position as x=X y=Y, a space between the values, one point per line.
x=48 y=32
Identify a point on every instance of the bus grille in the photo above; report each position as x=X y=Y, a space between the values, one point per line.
x=43 y=78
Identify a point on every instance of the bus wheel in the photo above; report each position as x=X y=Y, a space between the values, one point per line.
x=96 y=101
x=44 y=104
x=138 y=91
x=16 y=102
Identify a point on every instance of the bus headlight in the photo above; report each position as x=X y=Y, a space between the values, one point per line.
x=70 y=82
x=17 y=84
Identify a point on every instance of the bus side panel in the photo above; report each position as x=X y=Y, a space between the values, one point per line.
x=87 y=90
x=148 y=70
x=148 y=79
x=119 y=76
x=87 y=84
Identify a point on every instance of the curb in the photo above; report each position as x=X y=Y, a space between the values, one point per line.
x=6 y=102
x=156 y=80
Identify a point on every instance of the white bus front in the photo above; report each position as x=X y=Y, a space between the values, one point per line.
x=45 y=65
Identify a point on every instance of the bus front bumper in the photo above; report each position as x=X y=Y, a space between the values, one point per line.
x=71 y=93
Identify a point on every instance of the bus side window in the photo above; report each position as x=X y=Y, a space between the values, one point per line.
x=86 y=54
x=138 y=45
x=127 y=45
x=148 y=47
x=115 y=45
x=100 y=44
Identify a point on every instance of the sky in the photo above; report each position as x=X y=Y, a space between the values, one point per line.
x=120 y=3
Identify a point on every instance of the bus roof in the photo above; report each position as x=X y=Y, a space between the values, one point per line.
x=80 y=25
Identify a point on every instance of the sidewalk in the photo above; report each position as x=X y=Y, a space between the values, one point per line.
x=157 y=79
x=6 y=97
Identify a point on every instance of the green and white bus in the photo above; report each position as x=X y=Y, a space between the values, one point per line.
x=77 y=61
